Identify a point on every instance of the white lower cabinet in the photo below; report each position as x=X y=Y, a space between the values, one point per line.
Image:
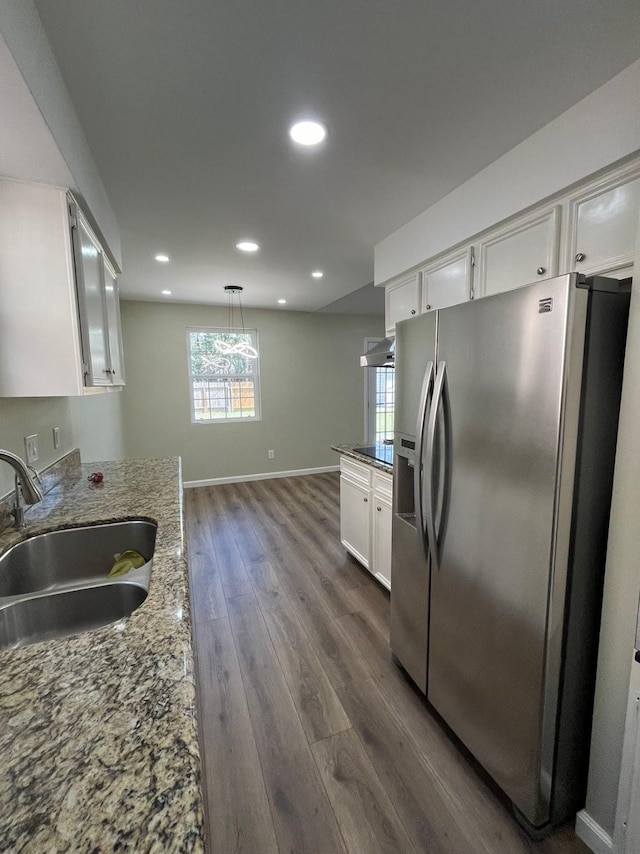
x=627 y=831
x=381 y=528
x=365 y=516
x=355 y=519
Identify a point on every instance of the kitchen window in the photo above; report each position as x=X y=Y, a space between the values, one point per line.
x=224 y=375
x=380 y=388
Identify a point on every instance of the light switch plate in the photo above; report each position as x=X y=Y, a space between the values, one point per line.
x=31 y=449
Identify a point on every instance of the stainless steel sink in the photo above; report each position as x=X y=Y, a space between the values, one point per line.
x=67 y=612
x=72 y=555
x=56 y=584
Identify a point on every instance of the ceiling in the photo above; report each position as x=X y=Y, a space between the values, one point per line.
x=186 y=107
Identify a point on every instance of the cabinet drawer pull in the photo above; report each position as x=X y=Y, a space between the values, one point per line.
x=379 y=509
x=580 y=257
x=413 y=311
x=365 y=500
x=541 y=270
x=428 y=307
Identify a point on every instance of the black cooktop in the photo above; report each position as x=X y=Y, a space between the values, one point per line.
x=381 y=452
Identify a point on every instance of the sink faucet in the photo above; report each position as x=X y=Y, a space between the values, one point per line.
x=25 y=485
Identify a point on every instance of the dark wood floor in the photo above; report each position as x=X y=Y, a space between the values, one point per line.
x=313 y=740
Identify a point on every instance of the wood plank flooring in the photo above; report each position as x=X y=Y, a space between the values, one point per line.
x=313 y=741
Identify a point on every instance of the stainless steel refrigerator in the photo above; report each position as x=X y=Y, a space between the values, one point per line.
x=506 y=422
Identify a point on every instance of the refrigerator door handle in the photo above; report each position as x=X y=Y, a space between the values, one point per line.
x=440 y=395
x=418 y=474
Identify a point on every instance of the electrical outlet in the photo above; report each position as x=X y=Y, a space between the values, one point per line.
x=31 y=449
x=56 y=437
x=271 y=454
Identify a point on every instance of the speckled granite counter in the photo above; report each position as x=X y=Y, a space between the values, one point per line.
x=347 y=450
x=98 y=732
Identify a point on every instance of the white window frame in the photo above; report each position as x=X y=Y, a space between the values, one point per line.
x=255 y=377
x=370 y=396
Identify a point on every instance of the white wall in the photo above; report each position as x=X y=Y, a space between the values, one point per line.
x=597 y=131
x=621 y=592
x=23 y=33
x=23 y=416
x=97 y=426
x=93 y=424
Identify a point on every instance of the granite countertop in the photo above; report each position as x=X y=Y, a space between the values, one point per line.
x=98 y=732
x=347 y=450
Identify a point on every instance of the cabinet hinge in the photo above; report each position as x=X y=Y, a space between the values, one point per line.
x=73 y=219
x=473 y=257
x=85 y=368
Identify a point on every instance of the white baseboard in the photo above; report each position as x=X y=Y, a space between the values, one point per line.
x=592 y=834
x=214 y=481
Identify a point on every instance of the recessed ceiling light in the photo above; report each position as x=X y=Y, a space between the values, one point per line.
x=282 y=301
x=166 y=293
x=163 y=259
x=247 y=246
x=317 y=274
x=307 y=133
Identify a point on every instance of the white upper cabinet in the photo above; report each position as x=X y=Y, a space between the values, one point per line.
x=591 y=230
x=448 y=281
x=60 y=323
x=90 y=284
x=114 y=331
x=519 y=253
x=402 y=300
x=603 y=224
x=98 y=305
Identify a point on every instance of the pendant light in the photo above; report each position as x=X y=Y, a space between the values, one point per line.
x=241 y=347
x=220 y=362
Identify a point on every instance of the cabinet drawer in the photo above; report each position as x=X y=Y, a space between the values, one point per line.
x=382 y=484
x=360 y=472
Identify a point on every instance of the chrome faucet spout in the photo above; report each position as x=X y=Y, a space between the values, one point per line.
x=26 y=487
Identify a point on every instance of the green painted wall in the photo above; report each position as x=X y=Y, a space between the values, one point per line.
x=312 y=389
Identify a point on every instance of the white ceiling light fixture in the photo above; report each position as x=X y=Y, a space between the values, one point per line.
x=317 y=274
x=247 y=246
x=166 y=293
x=307 y=133
x=162 y=258
x=282 y=301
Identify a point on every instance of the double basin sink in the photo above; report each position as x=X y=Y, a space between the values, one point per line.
x=57 y=584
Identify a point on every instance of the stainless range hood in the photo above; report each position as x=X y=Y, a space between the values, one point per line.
x=381 y=355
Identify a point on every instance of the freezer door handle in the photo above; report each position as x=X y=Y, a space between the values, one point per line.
x=440 y=397
x=418 y=472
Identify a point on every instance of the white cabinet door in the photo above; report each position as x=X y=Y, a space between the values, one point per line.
x=448 y=282
x=402 y=300
x=604 y=225
x=382 y=540
x=114 y=332
x=355 y=529
x=520 y=254
x=627 y=828
x=89 y=265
